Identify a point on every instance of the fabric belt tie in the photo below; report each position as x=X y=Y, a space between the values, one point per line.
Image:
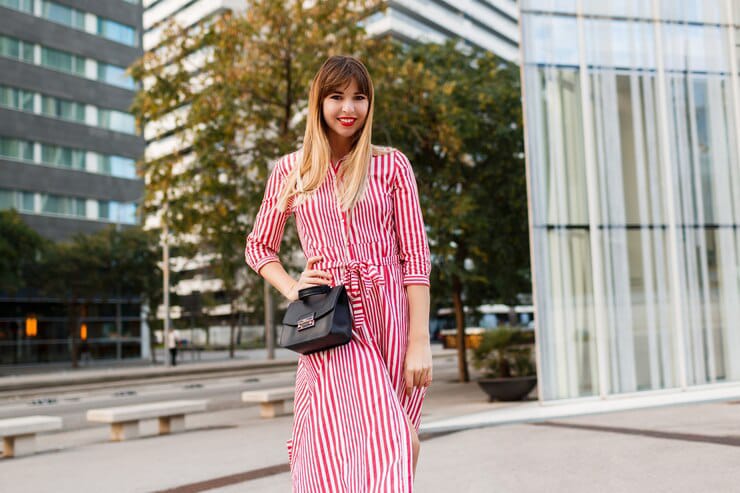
x=360 y=274
x=357 y=272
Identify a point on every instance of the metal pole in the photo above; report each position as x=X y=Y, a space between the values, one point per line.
x=166 y=283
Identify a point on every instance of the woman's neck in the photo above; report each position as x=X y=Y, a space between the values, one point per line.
x=340 y=147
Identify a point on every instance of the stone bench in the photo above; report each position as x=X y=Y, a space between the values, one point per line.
x=124 y=420
x=272 y=401
x=19 y=434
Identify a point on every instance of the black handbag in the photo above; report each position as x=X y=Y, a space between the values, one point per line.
x=319 y=319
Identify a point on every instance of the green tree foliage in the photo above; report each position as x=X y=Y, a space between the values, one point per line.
x=88 y=268
x=21 y=248
x=241 y=85
x=457 y=114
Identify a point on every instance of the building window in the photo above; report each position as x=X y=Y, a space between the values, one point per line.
x=21 y=150
x=68 y=206
x=62 y=14
x=117 y=166
x=15 y=48
x=17 y=99
x=60 y=60
x=22 y=5
x=117 y=212
x=117 y=32
x=62 y=108
x=117 y=120
x=14 y=199
x=115 y=76
x=62 y=156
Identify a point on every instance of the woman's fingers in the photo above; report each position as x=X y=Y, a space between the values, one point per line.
x=317 y=273
x=310 y=261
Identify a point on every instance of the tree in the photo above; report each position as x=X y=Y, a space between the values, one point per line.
x=20 y=250
x=460 y=124
x=245 y=104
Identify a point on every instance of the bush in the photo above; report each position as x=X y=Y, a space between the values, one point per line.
x=505 y=352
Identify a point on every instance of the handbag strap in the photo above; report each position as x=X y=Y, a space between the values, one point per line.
x=312 y=290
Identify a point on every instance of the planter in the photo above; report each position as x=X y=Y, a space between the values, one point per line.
x=507 y=389
x=473 y=337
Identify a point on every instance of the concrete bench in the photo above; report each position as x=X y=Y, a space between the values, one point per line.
x=19 y=434
x=272 y=401
x=124 y=420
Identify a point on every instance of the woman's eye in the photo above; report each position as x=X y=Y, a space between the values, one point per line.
x=336 y=97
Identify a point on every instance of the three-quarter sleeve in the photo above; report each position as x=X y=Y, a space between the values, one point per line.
x=409 y=224
x=263 y=243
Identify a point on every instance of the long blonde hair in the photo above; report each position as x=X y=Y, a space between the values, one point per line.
x=313 y=161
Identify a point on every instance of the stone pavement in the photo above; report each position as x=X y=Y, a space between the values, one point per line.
x=682 y=448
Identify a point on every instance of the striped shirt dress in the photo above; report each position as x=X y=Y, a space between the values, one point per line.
x=350 y=432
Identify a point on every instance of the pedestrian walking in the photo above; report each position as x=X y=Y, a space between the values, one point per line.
x=356 y=206
x=173 y=338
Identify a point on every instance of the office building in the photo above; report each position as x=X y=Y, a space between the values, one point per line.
x=68 y=148
x=68 y=144
x=633 y=143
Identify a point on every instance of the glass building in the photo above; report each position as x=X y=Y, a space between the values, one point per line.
x=633 y=142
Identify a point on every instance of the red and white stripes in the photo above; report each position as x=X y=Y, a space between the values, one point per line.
x=350 y=432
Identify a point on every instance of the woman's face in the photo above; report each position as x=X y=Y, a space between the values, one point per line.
x=345 y=112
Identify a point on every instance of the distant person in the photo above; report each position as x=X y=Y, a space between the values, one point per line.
x=173 y=338
x=356 y=205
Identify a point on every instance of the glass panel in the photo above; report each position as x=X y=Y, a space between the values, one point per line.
x=555 y=119
x=60 y=108
x=116 y=31
x=708 y=202
x=63 y=15
x=63 y=61
x=550 y=40
x=16 y=149
x=22 y=5
x=63 y=156
x=115 y=75
x=103 y=209
x=565 y=314
x=118 y=166
x=619 y=8
x=16 y=98
x=695 y=47
x=9 y=47
x=117 y=120
x=7 y=199
x=52 y=204
x=619 y=44
x=27 y=202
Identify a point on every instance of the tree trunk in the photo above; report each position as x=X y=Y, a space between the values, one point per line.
x=462 y=357
x=232 y=329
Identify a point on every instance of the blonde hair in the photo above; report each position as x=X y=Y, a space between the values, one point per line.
x=313 y=161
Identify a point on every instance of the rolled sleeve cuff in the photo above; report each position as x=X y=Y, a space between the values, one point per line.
x=416 y=279
x=264 y=261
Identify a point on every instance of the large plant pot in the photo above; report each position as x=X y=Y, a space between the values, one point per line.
x=507 y=389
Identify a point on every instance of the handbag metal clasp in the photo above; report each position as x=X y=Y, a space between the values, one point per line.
x=306 y=322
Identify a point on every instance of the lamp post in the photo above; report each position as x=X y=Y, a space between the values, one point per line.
x=165 y=282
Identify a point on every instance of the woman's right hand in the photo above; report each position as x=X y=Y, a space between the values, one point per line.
x=309 y=277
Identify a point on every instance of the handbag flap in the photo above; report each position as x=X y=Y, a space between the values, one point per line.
x=320 y=305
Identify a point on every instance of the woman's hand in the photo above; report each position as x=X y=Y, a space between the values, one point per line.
x=309 y=277
x=418 y=363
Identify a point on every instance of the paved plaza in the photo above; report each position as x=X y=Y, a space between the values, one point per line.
x=673 y=448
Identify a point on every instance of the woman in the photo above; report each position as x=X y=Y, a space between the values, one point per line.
x=357 y=406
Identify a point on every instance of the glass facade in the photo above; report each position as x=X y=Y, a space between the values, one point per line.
x=20 y=99
x=68 y=157
x=65 y=62
x=77 y=207
x=76 y=19
x=117 y=32
x=15 y=48
x=63 y=15
x=632 y=144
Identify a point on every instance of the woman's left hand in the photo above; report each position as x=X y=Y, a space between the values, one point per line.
x=418 y=363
